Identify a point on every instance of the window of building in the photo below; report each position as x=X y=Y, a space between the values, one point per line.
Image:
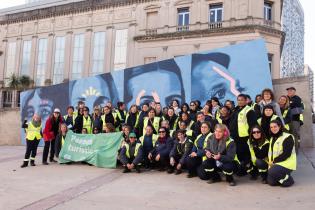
x=11 y=62
x=183 y=16
x=270 y=57
x=59 y=61
x=215 y=13
x=149 y=60
x=26 y=57
x=267 y=10
x=7 y=99
x=78 y=56
x=41 y=62
x=152 y=20
x=98 y=53
x=120 y=61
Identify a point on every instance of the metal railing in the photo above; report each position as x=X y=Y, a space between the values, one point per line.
x=211 y=26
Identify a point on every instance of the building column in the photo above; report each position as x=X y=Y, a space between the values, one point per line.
x=110 y=49
x=3 y=61
x=131 y=56
x=68 y=55
x=87 y=52
x=18 y=56
x=33 y=59
x=50 y=58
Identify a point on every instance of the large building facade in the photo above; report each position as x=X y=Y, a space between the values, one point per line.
x=54 y=41
x=292 y=59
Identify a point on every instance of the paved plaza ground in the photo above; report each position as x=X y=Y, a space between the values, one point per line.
x=87 y=187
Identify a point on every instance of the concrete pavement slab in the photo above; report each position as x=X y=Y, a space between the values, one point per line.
x=80 y=186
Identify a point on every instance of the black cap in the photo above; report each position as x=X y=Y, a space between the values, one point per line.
x=291 y=88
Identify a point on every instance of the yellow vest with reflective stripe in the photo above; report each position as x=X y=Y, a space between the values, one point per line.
x=137 y=119
x=252 y=152
x=274 y=117
x=156 y=123
x=136 y=150
x=104 y=122
x=119 y=115
x=33 y=132
x=285 y=113
x=204 y=143
x=87 y=123
x=65 y=117
x=154 y=139
x=277 y=150
x=62 y=140
x=242 y=122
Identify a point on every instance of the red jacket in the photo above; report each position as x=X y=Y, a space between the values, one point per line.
x=48 y=133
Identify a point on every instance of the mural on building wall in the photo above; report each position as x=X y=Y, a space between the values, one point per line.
x=223 y=73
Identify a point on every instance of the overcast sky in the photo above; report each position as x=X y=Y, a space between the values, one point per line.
x=309 y=13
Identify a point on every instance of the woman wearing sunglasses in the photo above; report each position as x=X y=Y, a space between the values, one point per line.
x=258 y=147
x=159 y=156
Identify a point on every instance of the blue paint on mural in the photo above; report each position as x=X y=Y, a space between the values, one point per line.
x=223 y=73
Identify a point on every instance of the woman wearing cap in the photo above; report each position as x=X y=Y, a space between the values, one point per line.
x=33 y=131
x=131 y=154
x=258 y=147
x=281 y=156
x=50 y=132
x=220 y=155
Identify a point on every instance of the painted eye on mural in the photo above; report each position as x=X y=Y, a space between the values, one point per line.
x=30 y=112
x=220 y=94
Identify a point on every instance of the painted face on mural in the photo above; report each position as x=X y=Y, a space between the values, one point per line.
x=38 y=105
x=93 y=91
x=156 y=82
x=152 y=86
x=210 y=79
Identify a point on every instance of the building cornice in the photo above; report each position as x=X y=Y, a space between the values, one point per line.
x=66 y=9
x=210 y=32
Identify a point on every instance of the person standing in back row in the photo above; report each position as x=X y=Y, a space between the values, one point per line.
x=296 y=108
x=242 y=120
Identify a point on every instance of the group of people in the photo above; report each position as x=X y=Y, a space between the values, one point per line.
x=259 y=138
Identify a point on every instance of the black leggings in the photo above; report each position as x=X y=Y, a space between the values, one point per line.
x=31 y=149
x=280 y=175
x=48 y=144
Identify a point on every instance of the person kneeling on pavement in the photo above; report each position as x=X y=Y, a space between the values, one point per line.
x=159 y=156
x=131 y=154
x=180 y=152
x=220 y=154
x=281 y=155
x=258 y=147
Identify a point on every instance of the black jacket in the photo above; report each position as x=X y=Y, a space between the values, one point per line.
x=182 y=150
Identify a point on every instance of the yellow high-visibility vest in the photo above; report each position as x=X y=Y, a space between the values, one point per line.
x=33 y=132
x=289 y=163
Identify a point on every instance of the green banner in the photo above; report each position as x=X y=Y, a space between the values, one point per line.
x=97 y=149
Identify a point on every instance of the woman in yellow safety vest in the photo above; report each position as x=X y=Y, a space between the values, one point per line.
x=258 y=146
x=281 y=156
x=268 y=115
x=61 y=137
x=284 y=104
x=33 y=132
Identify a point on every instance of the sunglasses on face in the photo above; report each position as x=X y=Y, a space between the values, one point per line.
x=162 y=131
x=256 y=132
